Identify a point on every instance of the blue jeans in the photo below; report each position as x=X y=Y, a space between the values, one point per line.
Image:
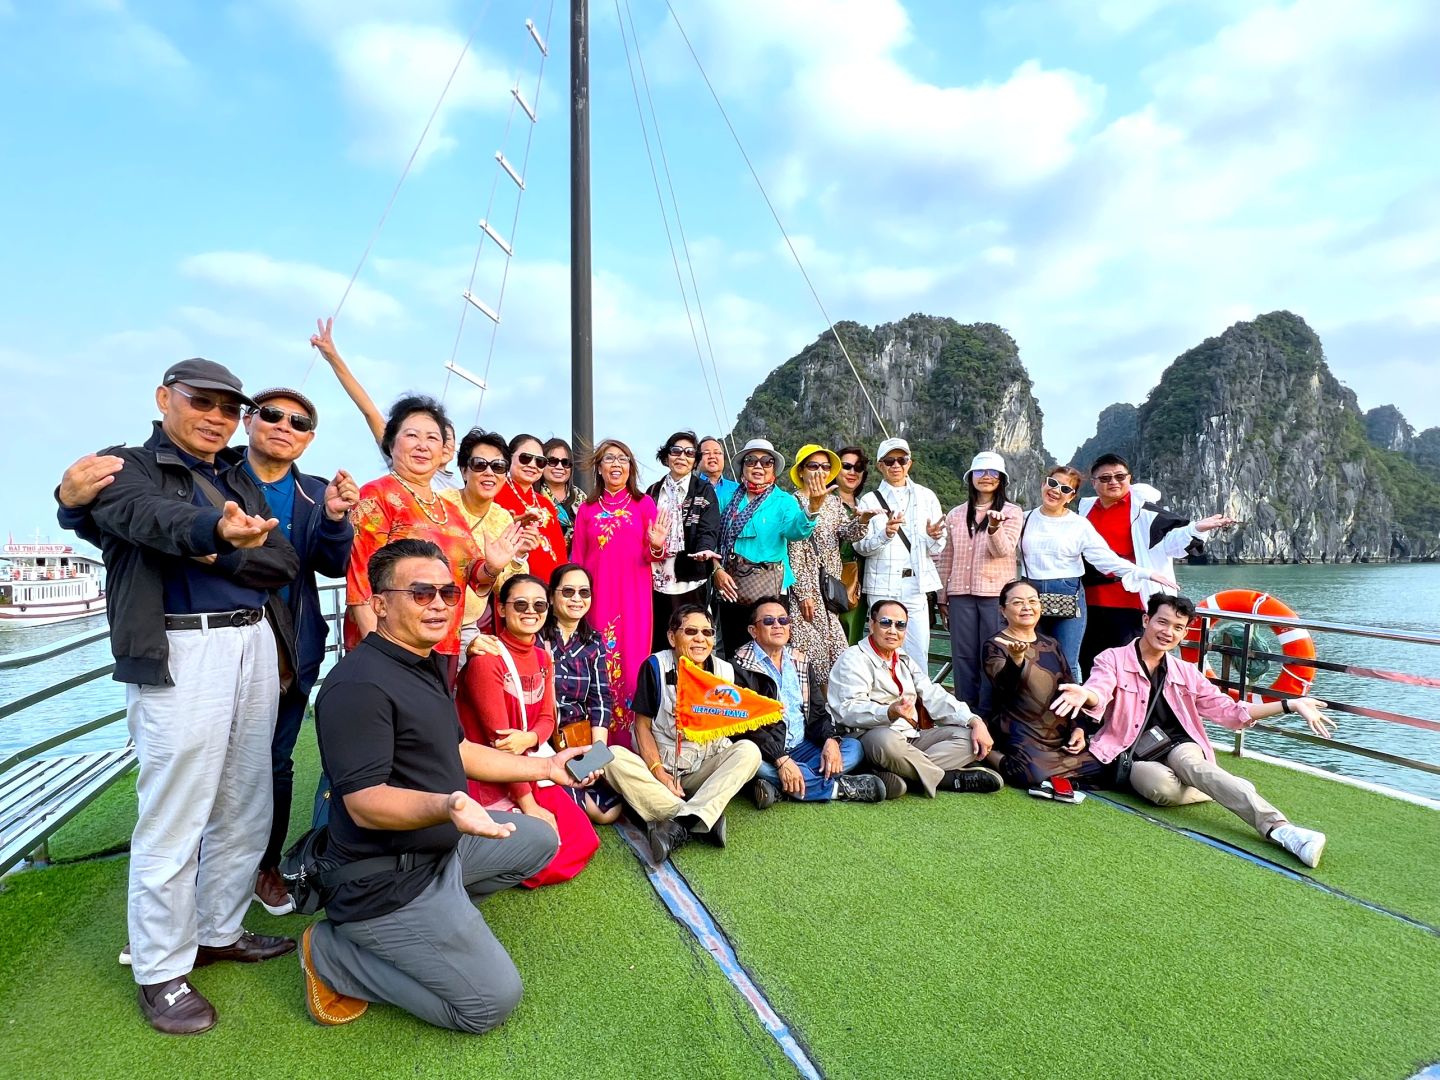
x=1069 y=632
x=807 y=756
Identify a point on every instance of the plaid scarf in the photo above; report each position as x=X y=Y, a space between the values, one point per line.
x=737 y=517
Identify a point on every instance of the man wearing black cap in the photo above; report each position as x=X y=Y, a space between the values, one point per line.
x=314 y=515
x=192 y=558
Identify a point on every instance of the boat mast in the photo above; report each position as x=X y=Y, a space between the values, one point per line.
x=582 y=434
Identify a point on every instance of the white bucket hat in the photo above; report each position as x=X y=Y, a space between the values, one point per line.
x=765 y=446
x=987 y=459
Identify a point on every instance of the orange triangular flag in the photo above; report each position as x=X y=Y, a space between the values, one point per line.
x=707 y=707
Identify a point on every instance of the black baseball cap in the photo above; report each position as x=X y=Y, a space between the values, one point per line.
x=205 y=375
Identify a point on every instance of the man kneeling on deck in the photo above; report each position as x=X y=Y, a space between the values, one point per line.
x=1152 y=707
x=391 y=743
x=912 y=729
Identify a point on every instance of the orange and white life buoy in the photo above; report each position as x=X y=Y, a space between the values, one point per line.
x=1295 y=642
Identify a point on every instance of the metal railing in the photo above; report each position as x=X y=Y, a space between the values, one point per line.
x=1237 y=661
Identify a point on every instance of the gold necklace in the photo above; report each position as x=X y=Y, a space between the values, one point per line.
x=444 y=517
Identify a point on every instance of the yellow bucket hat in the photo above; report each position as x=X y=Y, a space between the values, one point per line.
x=808 y=450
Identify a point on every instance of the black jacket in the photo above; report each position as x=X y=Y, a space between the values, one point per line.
x=700 y=515
x=323 y=547
x=146 y=517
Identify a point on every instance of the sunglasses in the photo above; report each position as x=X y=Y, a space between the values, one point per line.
x=892 y=462
x=681 y=451
x=816 y=466
x=774 y=620
x=1112 y=478
x=571 y=591
x=298 y=420
x=204 y=403
x=525 y=607
x=887 y=622
x=986 y=474
x=558 y=462
x=480 y=464
x=424 y=593
x=1064 y=489
x=697 y=631
x=530 y=459
x=851 y=466
x=758 y=463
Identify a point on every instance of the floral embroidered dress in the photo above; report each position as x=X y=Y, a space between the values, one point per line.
x=551 y=552
x=389 y=510
x=823 y=640
x=611 y=542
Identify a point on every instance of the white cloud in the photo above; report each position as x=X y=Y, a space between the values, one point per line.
x=300 y=287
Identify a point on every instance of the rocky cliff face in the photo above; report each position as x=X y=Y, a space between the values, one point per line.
x=949 y=389
x=1386 y=428
x=1252 y=423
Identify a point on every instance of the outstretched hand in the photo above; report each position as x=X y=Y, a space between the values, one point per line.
x=469 y=816
x=242 y=530
x=561 y=775
x=1072 y=700
x=1309 y=708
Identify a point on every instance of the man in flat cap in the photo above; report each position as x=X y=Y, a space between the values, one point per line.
x=900 y=548
x=193 y=559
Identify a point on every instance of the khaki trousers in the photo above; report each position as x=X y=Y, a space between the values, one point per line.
x=923 y=759
x=1186 y=777
x=722 y=773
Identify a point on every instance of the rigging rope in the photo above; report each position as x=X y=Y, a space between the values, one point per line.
x=425 y=131
x=680 y=227
x=664 y=217
x=779 y=224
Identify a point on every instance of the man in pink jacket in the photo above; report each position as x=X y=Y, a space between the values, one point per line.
x=1153 y=706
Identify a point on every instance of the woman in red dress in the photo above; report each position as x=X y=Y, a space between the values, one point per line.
x=507 y=700
x=522 y=494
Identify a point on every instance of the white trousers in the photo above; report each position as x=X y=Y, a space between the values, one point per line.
x=205 y=800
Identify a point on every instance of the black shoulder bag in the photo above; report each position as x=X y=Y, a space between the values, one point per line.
x=1150 y=744
x=832 y=589
x=311 y=874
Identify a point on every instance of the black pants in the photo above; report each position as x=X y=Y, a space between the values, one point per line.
x=282 y=769
x=1107 y=628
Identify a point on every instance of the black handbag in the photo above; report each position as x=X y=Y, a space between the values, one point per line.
x=1151 y=744
x=833 y=591
x=311 y=874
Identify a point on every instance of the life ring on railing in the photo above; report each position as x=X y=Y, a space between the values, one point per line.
x=1295 y=642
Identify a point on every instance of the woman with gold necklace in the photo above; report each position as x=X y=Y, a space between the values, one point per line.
x=524 y=496
x=402 y=505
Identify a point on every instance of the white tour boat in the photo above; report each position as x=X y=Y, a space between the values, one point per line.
x=48 y=583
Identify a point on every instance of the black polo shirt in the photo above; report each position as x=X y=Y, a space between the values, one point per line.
x=384 y=716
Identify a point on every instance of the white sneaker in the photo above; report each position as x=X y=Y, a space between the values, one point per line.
x=124 y=956
x=1307 y=845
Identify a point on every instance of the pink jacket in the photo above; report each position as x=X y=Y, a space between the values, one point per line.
x=1123 y=686
x=978 y=565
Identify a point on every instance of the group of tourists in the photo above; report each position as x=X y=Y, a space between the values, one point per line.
x=502 y=620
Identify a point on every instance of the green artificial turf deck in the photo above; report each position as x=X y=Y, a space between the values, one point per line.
x=1004 y=936
x=1378 y=848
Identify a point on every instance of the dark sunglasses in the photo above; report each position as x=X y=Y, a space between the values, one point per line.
x=525 y=607
x=558 y=462
x=1111 y=478
x=697 y=631
x=480 y=464
x=298 y=420
x=530 y=459
x=582 y=591
x=1064 y=489
x=816 y=466
x=424 y=593
x=762 y=462
x=891 y=462
x=851 y=466
x=887 y=622
x=681 y=451
x=204 y=403
x=774 y=620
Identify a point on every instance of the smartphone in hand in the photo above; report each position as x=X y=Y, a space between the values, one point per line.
x=592 y=761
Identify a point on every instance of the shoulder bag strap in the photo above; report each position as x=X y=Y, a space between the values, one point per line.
x=899 y=532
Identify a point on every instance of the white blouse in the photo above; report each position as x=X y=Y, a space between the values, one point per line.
x=1053 y=547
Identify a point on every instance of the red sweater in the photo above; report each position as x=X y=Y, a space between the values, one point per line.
x=1113 y=525
x=488 y=704
x=551 y=552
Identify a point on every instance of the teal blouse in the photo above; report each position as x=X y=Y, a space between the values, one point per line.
x=766 y=537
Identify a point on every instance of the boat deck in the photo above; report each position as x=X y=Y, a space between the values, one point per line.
x=985 y=936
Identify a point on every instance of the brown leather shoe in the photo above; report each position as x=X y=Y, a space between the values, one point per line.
x=176 y=1007
x=270 y=890
x=327 y=1006
x=248 y=948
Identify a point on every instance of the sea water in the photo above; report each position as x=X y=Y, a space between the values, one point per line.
x=1401 y=597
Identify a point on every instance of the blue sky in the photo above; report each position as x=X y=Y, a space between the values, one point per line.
x=1111 y=180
